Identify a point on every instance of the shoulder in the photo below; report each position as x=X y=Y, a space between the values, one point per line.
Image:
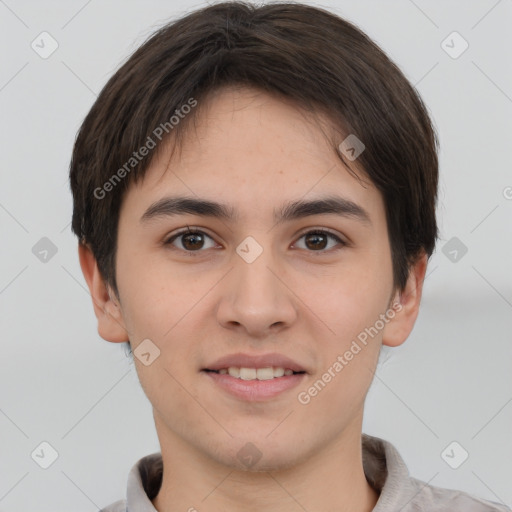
x=386 y=471
x=438 y=499
x=118 y=506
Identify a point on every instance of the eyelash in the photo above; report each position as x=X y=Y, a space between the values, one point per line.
x=189 y=231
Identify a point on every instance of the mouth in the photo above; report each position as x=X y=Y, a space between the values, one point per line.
x=254 y=378
x=254 y=384
x=248 y=374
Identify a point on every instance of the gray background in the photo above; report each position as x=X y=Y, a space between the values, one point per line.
x=61 y=383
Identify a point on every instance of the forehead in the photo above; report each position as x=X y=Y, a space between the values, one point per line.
x=251 y=149
x=236 y=121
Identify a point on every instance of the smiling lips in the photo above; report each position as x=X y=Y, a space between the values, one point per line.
x=256 y=373
x=255 y=378
x=247 y=361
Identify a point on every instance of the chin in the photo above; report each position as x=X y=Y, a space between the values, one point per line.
x=260 y=455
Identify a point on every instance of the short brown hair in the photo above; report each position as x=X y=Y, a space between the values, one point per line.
x=307 y=54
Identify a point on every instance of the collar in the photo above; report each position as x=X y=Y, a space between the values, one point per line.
x=383 y=466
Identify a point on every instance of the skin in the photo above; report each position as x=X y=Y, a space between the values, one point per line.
x=255 y=152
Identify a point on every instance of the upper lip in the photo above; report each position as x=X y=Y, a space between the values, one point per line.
x=255 y=361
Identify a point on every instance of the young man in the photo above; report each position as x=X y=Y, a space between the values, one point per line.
x=254 y=193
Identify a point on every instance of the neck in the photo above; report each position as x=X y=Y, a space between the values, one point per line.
x=331 y=479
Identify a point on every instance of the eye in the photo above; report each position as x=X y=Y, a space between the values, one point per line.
x=190 y=240
x=318 y=239
x=193 y=240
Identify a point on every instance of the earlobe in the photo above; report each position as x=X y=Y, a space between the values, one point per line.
x=406 y=305
x=107 y=309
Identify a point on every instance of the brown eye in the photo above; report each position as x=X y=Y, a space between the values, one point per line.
x=190 y=241
x=318 y=240
x=194 y=240
x=315 y=241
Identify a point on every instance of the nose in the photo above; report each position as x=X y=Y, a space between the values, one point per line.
x=256 y=298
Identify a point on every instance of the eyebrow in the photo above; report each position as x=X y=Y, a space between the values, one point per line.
x=182 y=205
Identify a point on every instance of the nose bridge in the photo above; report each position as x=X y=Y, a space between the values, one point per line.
x=256 y=278
x=254 y=281
x=257 y=299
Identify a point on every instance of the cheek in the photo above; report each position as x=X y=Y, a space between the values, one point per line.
x=153 y=297
x=349 y=303
x=350 y=306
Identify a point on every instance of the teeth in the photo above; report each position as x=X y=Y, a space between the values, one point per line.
x=264 y=373
x=247 y=373
x=234 y=372
x=255 y=373
x=279 y=372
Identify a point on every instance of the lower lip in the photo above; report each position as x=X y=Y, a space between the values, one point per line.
x=255 y=390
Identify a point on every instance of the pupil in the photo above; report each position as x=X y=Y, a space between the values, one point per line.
x=316 y=237
x=193 y=236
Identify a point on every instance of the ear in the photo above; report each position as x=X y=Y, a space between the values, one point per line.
x=406 y=305
x=111 y=325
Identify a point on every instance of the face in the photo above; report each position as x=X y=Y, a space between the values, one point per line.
x=271 y=289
